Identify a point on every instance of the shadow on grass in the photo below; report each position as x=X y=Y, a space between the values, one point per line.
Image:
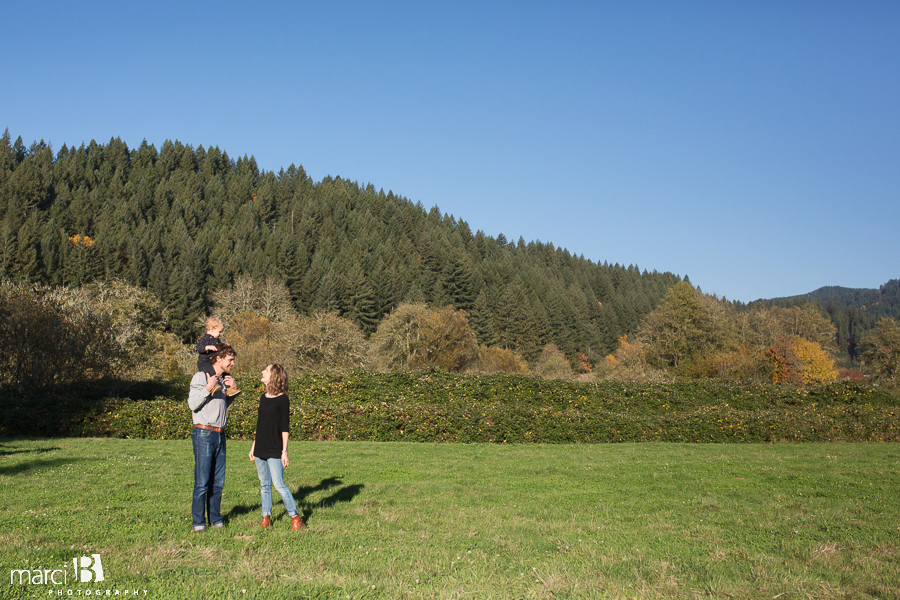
x=306 y=508
x=5 y=452
x=240 y=510
x=343 y=494
x=35 y=465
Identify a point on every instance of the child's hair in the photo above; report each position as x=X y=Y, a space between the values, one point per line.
x=278 y=380
x=214 y=323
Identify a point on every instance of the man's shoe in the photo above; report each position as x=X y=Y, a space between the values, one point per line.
x=296 y=523
x=232 y=392
x=219 y=524
x=199 y=529
x=266 y=521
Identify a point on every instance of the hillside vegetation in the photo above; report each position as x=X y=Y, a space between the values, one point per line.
x=854 y=312
x=113 y=257
x=185 y=222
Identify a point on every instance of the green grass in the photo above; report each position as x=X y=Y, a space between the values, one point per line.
x=403 y=520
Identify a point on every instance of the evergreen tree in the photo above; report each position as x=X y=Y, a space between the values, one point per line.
x=328 y=295
x=458 y=282
x=361 y=307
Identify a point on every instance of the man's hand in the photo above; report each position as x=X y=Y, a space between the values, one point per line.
x=229 y=381
x=211 y=382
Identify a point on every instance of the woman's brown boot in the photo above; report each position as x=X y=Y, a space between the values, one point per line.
x=296 y=523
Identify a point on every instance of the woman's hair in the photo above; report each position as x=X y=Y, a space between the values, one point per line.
x=214 y=323
x=278 y=380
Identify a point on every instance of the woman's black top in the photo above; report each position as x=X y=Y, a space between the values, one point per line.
x=272 y=420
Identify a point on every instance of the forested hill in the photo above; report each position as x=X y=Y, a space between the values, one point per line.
x=185 y=222
x=853 y=311
x=885 y=301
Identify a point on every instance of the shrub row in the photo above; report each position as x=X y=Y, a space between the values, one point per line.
x=439 y=407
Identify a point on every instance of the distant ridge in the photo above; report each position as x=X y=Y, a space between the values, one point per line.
x=853 y=311
x=885 y=299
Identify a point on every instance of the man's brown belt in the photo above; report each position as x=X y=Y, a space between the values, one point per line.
x=216 y=429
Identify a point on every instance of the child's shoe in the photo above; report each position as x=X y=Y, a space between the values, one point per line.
x=232 y=392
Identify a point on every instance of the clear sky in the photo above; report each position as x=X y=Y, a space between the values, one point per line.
x=752 y=146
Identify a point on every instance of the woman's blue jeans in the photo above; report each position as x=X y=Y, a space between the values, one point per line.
x=209 y=476
x=271 y=473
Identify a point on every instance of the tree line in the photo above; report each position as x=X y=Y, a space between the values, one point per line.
x=692 y=335
x=184 y=223
x=854 y=313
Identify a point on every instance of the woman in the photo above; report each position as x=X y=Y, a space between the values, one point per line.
x=269 y=449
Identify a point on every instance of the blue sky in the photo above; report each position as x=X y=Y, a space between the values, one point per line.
x=752 y=146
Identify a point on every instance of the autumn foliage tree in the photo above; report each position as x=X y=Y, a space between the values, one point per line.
x=493 y=359
x=416 y=336
x=629 y=363
x=48 y=341
x=693 y=335
x=881 y=351
x=553 y=364
x=687 y=325
x=325 y=341
x=816 y=366
x=800 y=362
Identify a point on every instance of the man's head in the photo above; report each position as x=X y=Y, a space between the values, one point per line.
x=223 y=359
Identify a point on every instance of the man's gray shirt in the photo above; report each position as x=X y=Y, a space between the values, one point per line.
x=207 y=409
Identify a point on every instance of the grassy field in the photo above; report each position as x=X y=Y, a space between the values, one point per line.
x=405 y=520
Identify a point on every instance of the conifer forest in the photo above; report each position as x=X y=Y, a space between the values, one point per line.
x=184 y=224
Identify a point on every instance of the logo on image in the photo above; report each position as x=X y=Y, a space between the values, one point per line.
x=91 y=568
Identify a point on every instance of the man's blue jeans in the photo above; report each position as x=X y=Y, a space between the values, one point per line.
x=271 y=473
x=209 y=476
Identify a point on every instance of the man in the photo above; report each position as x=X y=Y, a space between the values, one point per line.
x=209 y=404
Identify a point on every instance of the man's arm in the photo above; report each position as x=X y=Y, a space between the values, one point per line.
x=199 y=395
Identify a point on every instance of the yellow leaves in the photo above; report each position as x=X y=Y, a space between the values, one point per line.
x=801 y=362
x=816 y=367
x=79 y=240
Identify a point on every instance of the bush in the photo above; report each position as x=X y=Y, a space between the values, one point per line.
x=324 y=341
x=493 y=360
x=416 y=336
x=553 y=364
x=800 y=362
x=851 y=375
x=629 y=363
x=48 y=339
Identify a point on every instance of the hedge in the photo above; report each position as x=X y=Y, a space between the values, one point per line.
x=441 y=407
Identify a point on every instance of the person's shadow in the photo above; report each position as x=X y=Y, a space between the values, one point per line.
x=345 y=493
x=33 y=465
